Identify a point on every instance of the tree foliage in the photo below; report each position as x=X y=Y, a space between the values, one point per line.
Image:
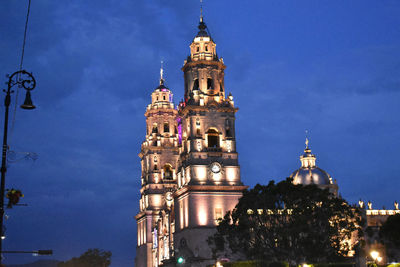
x=91 y=258
x=287 y=222
x=390 y=230
x=390 y=234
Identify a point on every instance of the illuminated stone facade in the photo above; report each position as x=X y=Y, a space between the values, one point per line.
x=190 y=170
x=159 y=156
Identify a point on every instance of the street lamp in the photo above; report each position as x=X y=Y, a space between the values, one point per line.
x=24 y=80
x=375 y=256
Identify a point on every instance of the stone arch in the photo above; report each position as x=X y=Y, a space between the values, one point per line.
x=213 y=138
x=168 y=172
x=196 y=84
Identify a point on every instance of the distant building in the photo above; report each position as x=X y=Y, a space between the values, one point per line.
x=309 y=173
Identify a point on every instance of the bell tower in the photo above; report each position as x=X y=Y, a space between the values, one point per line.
x=208 y=173
x=203 y=70
x=159 y=154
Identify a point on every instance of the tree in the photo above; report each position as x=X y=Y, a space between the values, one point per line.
x=287 y=222
x=390 y=234
x=91 y=258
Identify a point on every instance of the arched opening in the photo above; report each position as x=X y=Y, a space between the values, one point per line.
x=228 y=128
x=168 y=174
x=212 y=138
x=155 y=129
x=209 y=83
x=197 y=126
x=196 y=84
x=166 y=127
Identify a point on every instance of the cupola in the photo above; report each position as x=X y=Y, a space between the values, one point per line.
x=161 y=96
x=309 y=173
x=203 y=46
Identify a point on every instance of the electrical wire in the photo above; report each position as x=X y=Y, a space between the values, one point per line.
x=20 y=66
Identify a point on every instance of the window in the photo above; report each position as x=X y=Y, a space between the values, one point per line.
x=197 y=126
x=196 y=84
x=212 y=138
x=155 y=129
x=197 y=49
x=168 y=174
x=166 y=127
x=206 y=48
x=228 y=128
x=163 y=97
x=209 y=83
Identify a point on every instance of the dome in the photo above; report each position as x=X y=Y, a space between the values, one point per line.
x=202 y=30
x=309 y=173
x=162 y=86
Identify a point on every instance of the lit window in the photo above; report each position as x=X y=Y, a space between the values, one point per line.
x=168 y=175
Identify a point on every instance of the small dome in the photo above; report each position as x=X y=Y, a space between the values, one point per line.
x=162 y=86
x=202 y=30
x=311 y=175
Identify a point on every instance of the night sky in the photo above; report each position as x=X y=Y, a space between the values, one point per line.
x=332 y=67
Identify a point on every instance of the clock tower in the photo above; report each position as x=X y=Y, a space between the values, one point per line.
x=208 y=172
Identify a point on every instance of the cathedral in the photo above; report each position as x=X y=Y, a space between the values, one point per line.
x=190 y=172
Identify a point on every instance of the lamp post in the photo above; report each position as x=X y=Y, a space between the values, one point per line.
x=24 y=80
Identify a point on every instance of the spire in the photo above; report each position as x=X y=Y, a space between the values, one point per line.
x=202 y=25
x=201 y=11
x=307 y=141
x=161 y=73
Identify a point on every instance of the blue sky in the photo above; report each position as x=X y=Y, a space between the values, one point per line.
x=332 y=67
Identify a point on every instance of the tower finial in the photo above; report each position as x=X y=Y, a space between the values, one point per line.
x=201 y=10
x=162 y=73
x=307 y=141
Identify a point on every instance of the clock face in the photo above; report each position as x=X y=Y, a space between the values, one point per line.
x=215 y=167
